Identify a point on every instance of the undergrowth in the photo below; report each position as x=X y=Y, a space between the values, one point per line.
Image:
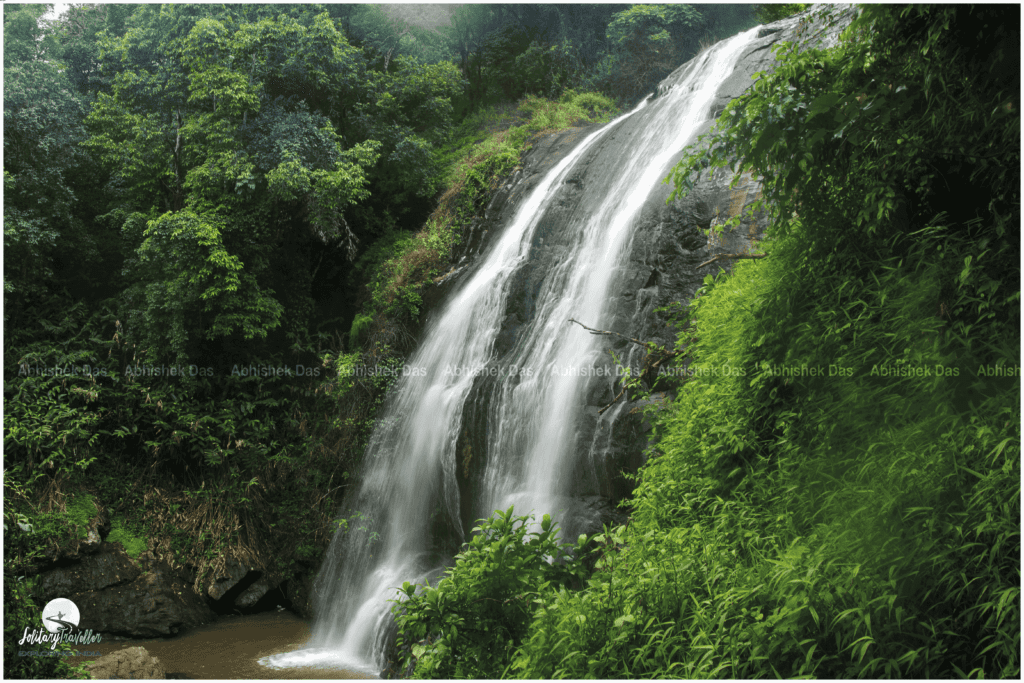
x=822 y=509
x=254 y=479
x=486 y=149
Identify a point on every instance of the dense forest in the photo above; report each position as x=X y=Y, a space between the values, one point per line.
x=212 y=213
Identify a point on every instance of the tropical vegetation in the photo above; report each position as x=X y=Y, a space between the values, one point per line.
x=213 y=213
x=835 y=489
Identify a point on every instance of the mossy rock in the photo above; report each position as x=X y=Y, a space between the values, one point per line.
x=81 y=510
x=134 y=543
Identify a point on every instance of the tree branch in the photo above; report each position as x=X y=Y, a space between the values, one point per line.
x=614 y=400
x=656 y=355
x=608 y=334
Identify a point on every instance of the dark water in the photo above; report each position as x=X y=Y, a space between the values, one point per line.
x=230 y=648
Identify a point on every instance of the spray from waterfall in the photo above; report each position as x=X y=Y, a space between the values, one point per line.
x=408 y=502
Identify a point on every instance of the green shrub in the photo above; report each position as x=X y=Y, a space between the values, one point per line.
x=360 y=324
x=470 y=624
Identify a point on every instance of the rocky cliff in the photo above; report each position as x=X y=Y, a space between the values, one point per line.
x=668 y=245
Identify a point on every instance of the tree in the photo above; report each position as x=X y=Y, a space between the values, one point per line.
x=24 y=37
x=470 y=25
x=766 y=14
x=221 y=135
x=646 y=43
x=410 y=112
x=77 y=34
x=42 y=135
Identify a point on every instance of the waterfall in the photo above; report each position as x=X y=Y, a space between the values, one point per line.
x=405 y=519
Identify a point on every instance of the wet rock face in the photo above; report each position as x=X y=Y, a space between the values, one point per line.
x=543 y=155
x=663 y=265
x=108 y=567
x=159 y=602
x=132 y=662
x=116 y=594
x=299 y=592
x=145 y=597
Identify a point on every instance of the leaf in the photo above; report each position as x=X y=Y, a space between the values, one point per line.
x=823 y=103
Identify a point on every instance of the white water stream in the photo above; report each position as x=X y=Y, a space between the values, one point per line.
x=409 y=488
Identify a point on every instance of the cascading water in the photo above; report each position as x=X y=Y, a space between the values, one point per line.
x=409 y=519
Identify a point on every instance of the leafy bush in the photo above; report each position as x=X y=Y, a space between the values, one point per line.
x=470 y=624
x=360 y=324
x=22 y=610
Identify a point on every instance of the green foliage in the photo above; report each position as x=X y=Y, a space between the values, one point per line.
x=651 y=24
x=23 y=547
x=80 y=511
x=25 y=40
x=470 y=624
x=42 y=132
x=121 y=532
x=274 y=473
x=409 y=110
x=646 y=43
x=360 y=324
x=766 y=14
x=835 y=488
x=506 y=51
x=186 y=272
x=248 y=109
x=76 y=34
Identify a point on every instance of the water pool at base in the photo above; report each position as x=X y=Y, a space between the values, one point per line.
x=231 y=647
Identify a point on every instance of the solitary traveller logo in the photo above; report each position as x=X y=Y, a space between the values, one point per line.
x=60 y=622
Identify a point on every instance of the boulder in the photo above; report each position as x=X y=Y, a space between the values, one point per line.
x=299 y=591
x=226 y=579
x=251 y=595
x=109 y=566
x=160 y=602
x=132 y=662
